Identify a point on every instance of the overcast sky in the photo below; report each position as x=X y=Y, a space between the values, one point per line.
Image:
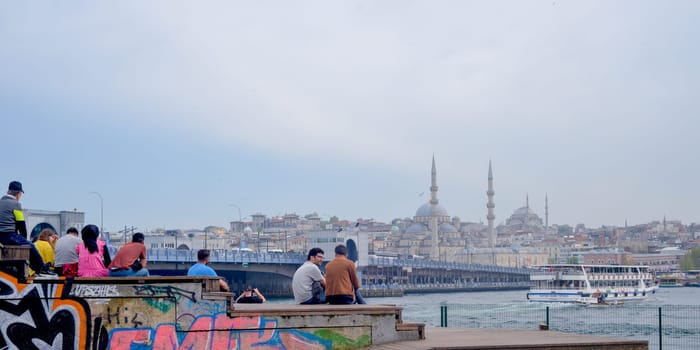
x=180 y=113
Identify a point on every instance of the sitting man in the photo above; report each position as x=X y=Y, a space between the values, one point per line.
x=126 y=262
x=66 y=253
x=12 y=222
x=201 y=269
x=305 y=277
x=341 y=278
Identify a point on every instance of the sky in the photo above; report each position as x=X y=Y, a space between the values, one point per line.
x=188 y=114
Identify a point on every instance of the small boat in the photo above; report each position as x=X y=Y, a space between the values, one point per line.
x=673 y=280
x=574 y=283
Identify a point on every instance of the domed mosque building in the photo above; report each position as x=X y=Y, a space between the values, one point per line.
x=432 y=227
x=523 y=221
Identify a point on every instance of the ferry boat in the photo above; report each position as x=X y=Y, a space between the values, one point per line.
x=573 y=283
x=672 y=280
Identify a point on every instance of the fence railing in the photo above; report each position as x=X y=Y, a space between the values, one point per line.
x=667 y=327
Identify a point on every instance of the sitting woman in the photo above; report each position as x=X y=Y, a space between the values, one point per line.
x=93 y=257
x=45 y=247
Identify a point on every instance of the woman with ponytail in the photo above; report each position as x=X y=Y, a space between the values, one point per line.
x=93 y=257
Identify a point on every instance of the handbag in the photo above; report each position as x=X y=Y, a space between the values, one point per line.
x=316 y=290
x=136 y=265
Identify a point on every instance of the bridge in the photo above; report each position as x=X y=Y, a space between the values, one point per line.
x=272 y=272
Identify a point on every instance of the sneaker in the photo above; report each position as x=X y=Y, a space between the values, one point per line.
x=43 y=276
x=47 y=272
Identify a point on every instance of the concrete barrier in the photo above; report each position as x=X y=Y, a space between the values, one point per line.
x=176 y=313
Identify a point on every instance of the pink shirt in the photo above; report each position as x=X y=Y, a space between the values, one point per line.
x=91 y=264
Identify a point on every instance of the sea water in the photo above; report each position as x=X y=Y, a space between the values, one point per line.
x=679 y=309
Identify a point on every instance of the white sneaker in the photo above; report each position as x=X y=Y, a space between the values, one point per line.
x=39 y=276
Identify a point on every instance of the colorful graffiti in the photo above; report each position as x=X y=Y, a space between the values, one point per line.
x=65 y=314
x=223 y=332
x=34 y=317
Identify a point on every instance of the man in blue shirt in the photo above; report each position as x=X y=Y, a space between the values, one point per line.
x=201 y=269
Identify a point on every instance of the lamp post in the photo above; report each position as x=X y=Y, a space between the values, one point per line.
x=102 y=230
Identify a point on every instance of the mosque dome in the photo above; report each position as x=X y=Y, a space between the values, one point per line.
x=427 y=210
x=524 y=211
x=416 y=228
x=447 y=228
x=524 y=217
x=247 y=229
x=394 y=228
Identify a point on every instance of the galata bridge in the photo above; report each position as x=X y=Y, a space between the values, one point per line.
x=272 y=272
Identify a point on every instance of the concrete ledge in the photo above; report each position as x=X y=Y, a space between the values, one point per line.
x=378 y=323
x=511 y=339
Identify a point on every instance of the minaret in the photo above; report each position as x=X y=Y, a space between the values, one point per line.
x=546 y=214
x=490 y=205
x=435 y=254
x=527 y=200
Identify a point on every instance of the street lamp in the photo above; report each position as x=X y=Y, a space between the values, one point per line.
x=102 y=230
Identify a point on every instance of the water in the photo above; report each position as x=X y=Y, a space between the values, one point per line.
x=680 y=314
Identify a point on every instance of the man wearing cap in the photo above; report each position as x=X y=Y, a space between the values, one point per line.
x=12 y=222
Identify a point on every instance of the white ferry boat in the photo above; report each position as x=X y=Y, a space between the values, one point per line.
x=576 y=283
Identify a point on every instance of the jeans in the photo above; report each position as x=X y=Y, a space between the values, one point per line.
x=316 y=301
x=36 y=263
x=358 y=297
x=340 y=299
x=129 y=273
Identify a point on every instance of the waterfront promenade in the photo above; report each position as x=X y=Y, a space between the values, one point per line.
x=510 y=339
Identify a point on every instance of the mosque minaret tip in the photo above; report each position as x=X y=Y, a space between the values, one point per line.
x=490 y=217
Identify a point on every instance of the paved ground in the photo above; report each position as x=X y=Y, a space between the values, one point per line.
x=452 y=338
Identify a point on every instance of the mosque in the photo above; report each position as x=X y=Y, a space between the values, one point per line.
x=433 y=234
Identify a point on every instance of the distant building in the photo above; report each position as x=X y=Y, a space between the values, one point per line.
x=60 y=220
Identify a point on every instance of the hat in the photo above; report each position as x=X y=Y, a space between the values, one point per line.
x=15 y=186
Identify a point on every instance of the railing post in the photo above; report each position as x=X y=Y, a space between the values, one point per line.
x=547 y=320
x=443 y=315
x=661 y=344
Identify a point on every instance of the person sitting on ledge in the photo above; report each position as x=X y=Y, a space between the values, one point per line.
x=251 y=296
x=93 y=256
x=12 y=222
x=309 y=279
x=341 y=278
x=130 y=260
x=201 y=269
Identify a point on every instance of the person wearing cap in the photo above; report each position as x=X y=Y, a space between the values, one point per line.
x=130 y=260
x=13 y=228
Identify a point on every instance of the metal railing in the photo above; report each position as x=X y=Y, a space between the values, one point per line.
x=224 y=256
x=668 y=327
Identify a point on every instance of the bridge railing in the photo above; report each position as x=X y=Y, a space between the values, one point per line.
x=418 y=263
x=225 y=256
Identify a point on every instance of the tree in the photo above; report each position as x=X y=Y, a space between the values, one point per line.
x=687 y=263
x=572 y=260
x=691 y=260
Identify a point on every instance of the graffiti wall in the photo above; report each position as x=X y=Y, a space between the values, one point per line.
x=63 y=314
